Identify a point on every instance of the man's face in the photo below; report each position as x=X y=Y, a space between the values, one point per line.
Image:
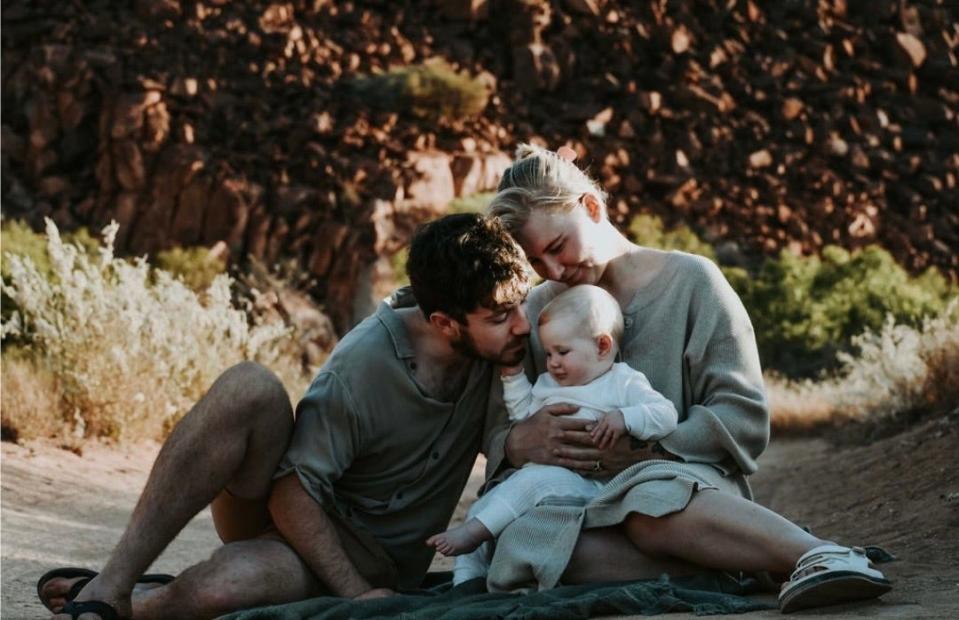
x=498 y=334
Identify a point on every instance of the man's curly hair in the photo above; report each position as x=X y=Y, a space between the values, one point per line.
x=461 y=262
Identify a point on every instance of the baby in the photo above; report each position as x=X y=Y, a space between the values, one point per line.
x=580 y=331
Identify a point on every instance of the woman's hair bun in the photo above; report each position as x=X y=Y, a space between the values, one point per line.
x=525 y=150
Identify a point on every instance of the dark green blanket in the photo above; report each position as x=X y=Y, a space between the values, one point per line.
x=702 y=595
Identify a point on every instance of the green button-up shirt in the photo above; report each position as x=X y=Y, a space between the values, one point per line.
x=372 y=445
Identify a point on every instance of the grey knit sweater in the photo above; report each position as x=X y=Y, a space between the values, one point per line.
x=689 y=333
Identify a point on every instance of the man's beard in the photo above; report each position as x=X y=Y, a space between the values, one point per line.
x=466 y=346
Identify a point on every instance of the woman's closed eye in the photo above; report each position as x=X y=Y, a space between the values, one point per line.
x=556 y=247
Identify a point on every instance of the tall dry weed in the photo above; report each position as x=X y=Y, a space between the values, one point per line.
x=32 y=404
x=132 y=348
x=899 y=370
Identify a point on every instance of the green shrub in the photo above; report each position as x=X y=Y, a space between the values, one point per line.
x=807 y=309
x=18 y=238
x=196 y=266
x=648 y=230
x=474 y=203
x=432 y=90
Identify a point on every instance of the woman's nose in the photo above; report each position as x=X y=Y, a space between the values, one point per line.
x=554 y=271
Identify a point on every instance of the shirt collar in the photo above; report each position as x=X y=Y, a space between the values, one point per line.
x=386 y=313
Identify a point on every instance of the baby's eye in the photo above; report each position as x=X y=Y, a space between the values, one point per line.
x=556 y=249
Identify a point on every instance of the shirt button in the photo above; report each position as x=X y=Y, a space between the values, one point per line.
x=628 y=322
x=436 y=455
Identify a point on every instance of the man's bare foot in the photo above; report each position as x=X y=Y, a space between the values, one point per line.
x=97 y=591
x=461 y=539
x=55 y=593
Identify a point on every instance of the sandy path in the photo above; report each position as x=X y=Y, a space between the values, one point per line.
x=59 y=509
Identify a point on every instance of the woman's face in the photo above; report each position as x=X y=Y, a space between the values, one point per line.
x=563 y=246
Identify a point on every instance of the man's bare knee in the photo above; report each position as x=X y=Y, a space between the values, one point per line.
x=244 y=574
x=258 y=394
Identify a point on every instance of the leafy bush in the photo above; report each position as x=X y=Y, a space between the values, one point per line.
x=431 y=90
x=808 y=309
x=197 y=267
x=805 y=310
x=474 y=203
x=130 y=350
x=648 y=230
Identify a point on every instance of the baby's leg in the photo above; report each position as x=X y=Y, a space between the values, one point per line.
x=526 y=489
x=460 y=539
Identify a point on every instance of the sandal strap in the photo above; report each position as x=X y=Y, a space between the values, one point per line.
x=830 y=557
x=76 y=608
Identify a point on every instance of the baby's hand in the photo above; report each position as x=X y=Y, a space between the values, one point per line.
x=510 y=371
x=609 y=429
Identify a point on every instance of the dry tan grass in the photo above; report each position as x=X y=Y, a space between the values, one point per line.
x=31 y=401
x=898 y=370
x=130 y=349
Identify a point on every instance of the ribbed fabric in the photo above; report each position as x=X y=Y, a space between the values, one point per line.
x=533 y=551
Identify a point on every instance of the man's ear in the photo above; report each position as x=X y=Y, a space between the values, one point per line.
x=604 y=343
x=594 y=208
x=447 y=325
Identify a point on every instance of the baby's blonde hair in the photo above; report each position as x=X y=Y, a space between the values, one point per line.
x=593 y=309
x=539 y=179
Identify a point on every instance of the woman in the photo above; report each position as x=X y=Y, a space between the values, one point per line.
x=684 y=501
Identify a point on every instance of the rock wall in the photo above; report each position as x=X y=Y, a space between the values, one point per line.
x=787 y=125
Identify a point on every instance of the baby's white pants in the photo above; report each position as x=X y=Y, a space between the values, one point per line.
x=518 y=494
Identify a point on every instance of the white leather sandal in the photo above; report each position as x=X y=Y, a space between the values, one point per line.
x=829 y=575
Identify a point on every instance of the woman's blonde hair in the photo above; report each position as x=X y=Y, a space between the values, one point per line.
x=540 y=179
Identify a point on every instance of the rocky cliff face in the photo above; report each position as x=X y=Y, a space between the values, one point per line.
x=787 y=125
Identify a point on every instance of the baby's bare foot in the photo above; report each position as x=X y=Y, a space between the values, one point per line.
x=461 y=539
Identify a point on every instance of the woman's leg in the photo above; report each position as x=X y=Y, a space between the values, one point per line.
x=722 y=531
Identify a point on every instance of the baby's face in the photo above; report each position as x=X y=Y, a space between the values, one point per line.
x=572 y=357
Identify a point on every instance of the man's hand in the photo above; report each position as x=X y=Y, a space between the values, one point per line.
x=624 y=452
x=609 y=429
x=374 y=593
x=538 y=438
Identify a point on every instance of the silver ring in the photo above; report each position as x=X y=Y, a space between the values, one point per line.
x=598 y=465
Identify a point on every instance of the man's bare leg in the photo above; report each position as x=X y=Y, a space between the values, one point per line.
x=232 y=439
x=250 y=573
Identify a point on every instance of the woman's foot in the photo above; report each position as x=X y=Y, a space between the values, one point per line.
x=461 y=539
x=829 y=575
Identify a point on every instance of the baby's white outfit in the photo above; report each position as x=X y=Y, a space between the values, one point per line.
x=648 y=415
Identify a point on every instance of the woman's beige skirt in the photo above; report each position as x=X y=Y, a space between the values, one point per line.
x=534 y=550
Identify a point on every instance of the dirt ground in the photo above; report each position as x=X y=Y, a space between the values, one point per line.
x=901 y=492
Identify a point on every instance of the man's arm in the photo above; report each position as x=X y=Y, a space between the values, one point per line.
x=305 y=525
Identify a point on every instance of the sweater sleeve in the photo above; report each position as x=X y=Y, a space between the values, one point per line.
x=648 y=414
x=727 y=419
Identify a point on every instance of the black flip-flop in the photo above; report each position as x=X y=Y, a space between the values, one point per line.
x=86 y=575
x=76 y=608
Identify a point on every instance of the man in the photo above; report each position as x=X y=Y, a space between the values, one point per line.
x=383 y=443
